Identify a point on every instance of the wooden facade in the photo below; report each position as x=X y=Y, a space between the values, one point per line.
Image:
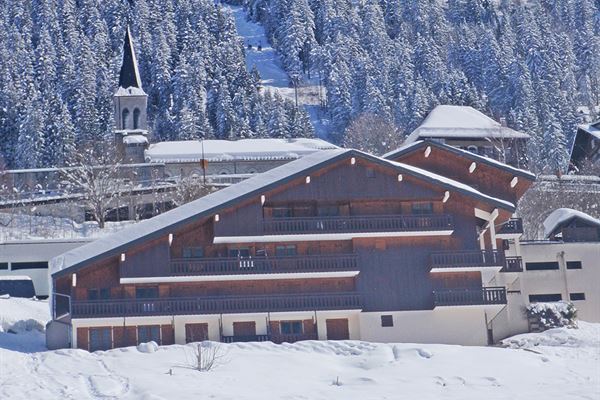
x=357 y=236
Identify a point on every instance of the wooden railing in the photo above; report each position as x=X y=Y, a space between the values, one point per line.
x=378 y=223
x=467 y=297
x=513 y=225
x=513 y=264
x=457 y=259
x=216 y=305
x=292 y=337
x=245 y=338
x=261 y=265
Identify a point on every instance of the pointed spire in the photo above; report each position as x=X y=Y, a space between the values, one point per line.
x=130 y=75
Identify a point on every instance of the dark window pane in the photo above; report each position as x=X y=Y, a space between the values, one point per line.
x=422 y=208
x=29 y=265
x=187 y=252
x=291 y=327
x=280 y=251
x=105 y=293
x=92 y=294
x=543 y=298
x=540 y=266
x=387 y=320
x=328 y=211
x=3 y=265
x=282 y=212
x=146 y=292
x=198 y=252
x=574 y=265
x=577 y=296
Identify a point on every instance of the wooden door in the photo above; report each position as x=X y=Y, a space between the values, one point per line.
x=196 y=332
x=337 y=329
x=244 y=329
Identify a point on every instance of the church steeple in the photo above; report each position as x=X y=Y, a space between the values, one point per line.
x=130 y=75
x=130 y=100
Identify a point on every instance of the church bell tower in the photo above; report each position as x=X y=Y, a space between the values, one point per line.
x=130 y=100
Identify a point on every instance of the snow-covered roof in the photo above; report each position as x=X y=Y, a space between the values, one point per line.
x=593 y=129
x=408 y=148
x=135 y=139
x=235 y=150
x=563 y=215
x=447 y=121
x=14 y=278
x=130 y=91
x=165 y=223
x=37 y=250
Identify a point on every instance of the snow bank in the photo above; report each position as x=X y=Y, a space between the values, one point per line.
x=585 y=335
x=150 y=347
x=19 y=315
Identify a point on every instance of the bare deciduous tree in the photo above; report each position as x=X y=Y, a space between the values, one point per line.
x=208 y=355
x=94 y=174
x=372 y=134
x=189 y=189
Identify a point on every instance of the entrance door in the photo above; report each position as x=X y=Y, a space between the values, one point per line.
x=244 y=331
x=337 y=329
x=196 y=332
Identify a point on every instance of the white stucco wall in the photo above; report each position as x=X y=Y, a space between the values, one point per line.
x=446 y=325
x=565 y=281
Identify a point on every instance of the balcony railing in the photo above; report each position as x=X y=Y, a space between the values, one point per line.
x=245 y=338
x=352 y=224
x=216 y=305
x=458 y=259
x=469 y=297
x=513 y=264
x=265 y=265
x=513 y=225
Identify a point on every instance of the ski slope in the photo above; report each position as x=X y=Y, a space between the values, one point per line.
x=273 y=77
x=558 y=364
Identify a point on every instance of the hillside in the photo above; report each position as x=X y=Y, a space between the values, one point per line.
x=535 y=64
x=558 y=364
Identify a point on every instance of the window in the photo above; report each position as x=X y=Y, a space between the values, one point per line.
x=150 y=292
x=99 y=294
x=543 y=298
x=243 y=252
x=124 y=118
x=29 y=265
x=193 y=252
x=291 y=327
x=370 y=173
x=422 y=208
x=100 y=339
x=136 y=118
x=574 y=265
x=148 y=333
x=287 y=250
x=541 y=266
x=577 y=296
x=387 y=320
x=3 y=265
x=282 y=212
x=328 y=211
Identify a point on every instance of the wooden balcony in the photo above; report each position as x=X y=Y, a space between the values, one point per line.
x=452 y=261
x=511 y=227
x=470 y=297
x=265 y=265
x=355 y=224
x=466 y=259
x=245 y=338
x=216 y=305
x=513 y=264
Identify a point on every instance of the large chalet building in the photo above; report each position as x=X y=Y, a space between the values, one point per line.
x=339 y=244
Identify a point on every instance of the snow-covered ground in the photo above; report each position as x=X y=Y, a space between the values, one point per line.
x=273 y=77
x=558 y=364
x=24 y=226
